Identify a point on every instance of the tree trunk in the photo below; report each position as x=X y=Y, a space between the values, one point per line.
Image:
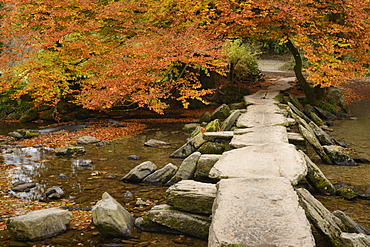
x=307 y=89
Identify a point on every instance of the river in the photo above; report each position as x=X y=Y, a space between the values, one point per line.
x=84 y=185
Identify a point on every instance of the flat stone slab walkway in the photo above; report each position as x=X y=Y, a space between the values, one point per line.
x=256 y=204
x=258 y=212
x=270 y=160
x=260 y=135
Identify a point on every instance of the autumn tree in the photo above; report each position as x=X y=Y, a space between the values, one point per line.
x=105 y=53
x=101 y=54
x=333 y=34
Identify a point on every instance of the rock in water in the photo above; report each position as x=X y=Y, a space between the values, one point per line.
x=54 y=192
x=39 y=224
x=186 y=169
x=83 y=140
x=139 y=172
x=156 y=143
x=161 y=176
x=316 y=178
x=338 y=157
x=111 y=218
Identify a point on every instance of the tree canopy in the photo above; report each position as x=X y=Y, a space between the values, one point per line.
x=105 y=53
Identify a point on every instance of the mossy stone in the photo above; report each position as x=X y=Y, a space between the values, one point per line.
x=213 y=126
x=212 y=148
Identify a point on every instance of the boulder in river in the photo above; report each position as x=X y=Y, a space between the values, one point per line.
x=186 y=169
x=161 y=176
x=191 y=196
x=111 y=218
x=138 y=173
x=39 y=224
x=338 y=157
x=84 y=140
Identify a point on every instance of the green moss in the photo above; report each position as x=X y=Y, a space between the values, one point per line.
x=347 y=193
x=30 y=134
x=323 y=186
x=279 y=98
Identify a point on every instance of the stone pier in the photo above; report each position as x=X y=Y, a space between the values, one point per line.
x=256 y=204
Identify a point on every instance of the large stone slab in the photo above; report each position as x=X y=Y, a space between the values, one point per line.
x=262 y=97
x=39 y=224
x=261 y=161
x=261 y=115
x=260 y=135
x=192 y=224
x=191 y=196
x=258 y=212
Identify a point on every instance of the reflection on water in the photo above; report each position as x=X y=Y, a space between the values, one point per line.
x=86 y=177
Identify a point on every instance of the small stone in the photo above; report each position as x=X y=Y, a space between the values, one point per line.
x=133 y=157
x=156 y=143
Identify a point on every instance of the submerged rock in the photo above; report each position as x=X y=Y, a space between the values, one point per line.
x=138 y=173
x=70 y=150
x=156 y=143
x=39 y=224
x=84 y=140
x=111 y=218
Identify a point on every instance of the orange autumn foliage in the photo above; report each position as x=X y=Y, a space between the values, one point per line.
x=106 y=53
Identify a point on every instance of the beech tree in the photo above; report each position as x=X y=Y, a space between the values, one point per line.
x=105 y=53
x=333 y=34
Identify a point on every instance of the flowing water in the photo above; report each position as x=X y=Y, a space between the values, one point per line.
x=85 y=184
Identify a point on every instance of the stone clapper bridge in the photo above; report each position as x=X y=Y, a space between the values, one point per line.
x=256 y=204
